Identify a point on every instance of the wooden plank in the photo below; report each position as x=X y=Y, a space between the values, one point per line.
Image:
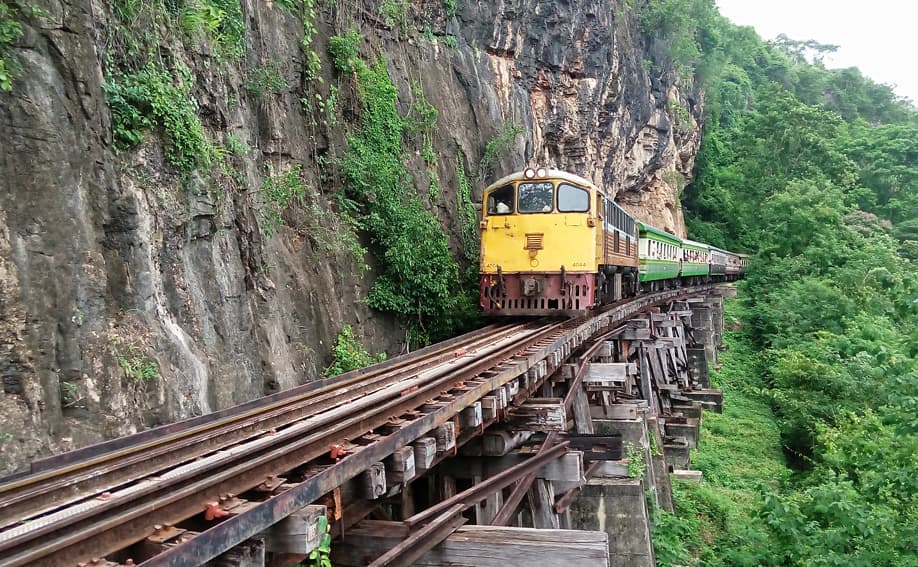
x=250 y=553
x=479 y=546
x=610 y=372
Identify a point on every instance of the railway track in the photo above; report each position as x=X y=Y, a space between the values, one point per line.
x=46 y=514
x=96 y=501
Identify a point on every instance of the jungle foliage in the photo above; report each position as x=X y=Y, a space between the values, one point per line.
x=419 y=279
x=813 y=170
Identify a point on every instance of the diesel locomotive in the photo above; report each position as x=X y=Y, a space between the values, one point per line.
x=555 y=243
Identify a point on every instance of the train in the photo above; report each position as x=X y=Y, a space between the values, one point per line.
x=554 y=243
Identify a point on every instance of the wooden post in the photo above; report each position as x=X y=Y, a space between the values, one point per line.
x=583 y=422
x=542 y=503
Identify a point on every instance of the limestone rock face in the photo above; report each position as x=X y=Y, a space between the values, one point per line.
x=132 y=296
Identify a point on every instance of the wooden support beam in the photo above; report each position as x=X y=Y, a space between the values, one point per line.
x=601 y=373
x=250 y=553
x=490 y=408
x=614 y=411
x=500 y=442
x=539 y=414
x=481 y=546
x=422 y=539
x=508 y=509
x=446 y=437
x=542 y=503
x=568 y=467
x=478 y=492
x=373 y=481
x=425 y=451
x=297 y=533
x=400 y=466
x=583 y=421
x=471 y=416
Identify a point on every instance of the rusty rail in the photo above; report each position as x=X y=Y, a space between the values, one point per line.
x=94 y=528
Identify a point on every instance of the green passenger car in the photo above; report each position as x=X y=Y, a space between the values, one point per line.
x=658 y=254
x=695 y=258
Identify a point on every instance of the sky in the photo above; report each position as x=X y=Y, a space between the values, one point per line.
x=876 y=36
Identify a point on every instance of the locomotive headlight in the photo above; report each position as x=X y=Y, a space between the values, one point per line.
x=529 y=173
x=541 y=172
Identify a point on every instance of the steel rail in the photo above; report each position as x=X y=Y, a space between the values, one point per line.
x=171 y=498
x=182 y=496
x=218 y=539
x=27 y=497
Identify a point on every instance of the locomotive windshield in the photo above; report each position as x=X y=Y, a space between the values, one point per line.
x=500 y=201
x=536 y=197
x=572 y=199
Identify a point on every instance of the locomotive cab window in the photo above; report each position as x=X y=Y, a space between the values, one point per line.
x=500 y=201
x=572 y=199
x=536 y=197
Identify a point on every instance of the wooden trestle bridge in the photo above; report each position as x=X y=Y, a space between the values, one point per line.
x=550 y=424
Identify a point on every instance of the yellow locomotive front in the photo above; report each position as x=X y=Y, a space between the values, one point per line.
x=540 y=243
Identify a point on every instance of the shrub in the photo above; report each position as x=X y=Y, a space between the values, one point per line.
x=350 y=354
x=152 y=96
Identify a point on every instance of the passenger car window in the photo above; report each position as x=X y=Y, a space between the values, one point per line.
x=572 y=199
x=536 y=197
x=500 y=201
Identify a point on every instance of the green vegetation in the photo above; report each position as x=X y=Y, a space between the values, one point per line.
x=10 y=30
x=153 y=97
x=344 y=51
x=419 y=283
x=814 y=171
x=350 y=354
x=321 y=555
x=498 y=145
x=450 y=7
x=278 y=192
x=395 y=13
x=742 y=461
x=307 y=12
x=218 y=21
x=137 y=367
x=265 y=80
x=328 y=230
x=468 y=217
x=635 y=457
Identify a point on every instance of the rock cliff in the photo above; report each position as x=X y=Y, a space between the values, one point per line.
x=133 y=294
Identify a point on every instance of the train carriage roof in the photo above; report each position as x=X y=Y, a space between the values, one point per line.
x=658 y=234
x=551 y=174
x=693 y=245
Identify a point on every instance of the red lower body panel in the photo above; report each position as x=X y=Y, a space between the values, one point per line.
x=537 y=293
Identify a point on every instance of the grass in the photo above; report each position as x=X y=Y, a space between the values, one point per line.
x=741 y=458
